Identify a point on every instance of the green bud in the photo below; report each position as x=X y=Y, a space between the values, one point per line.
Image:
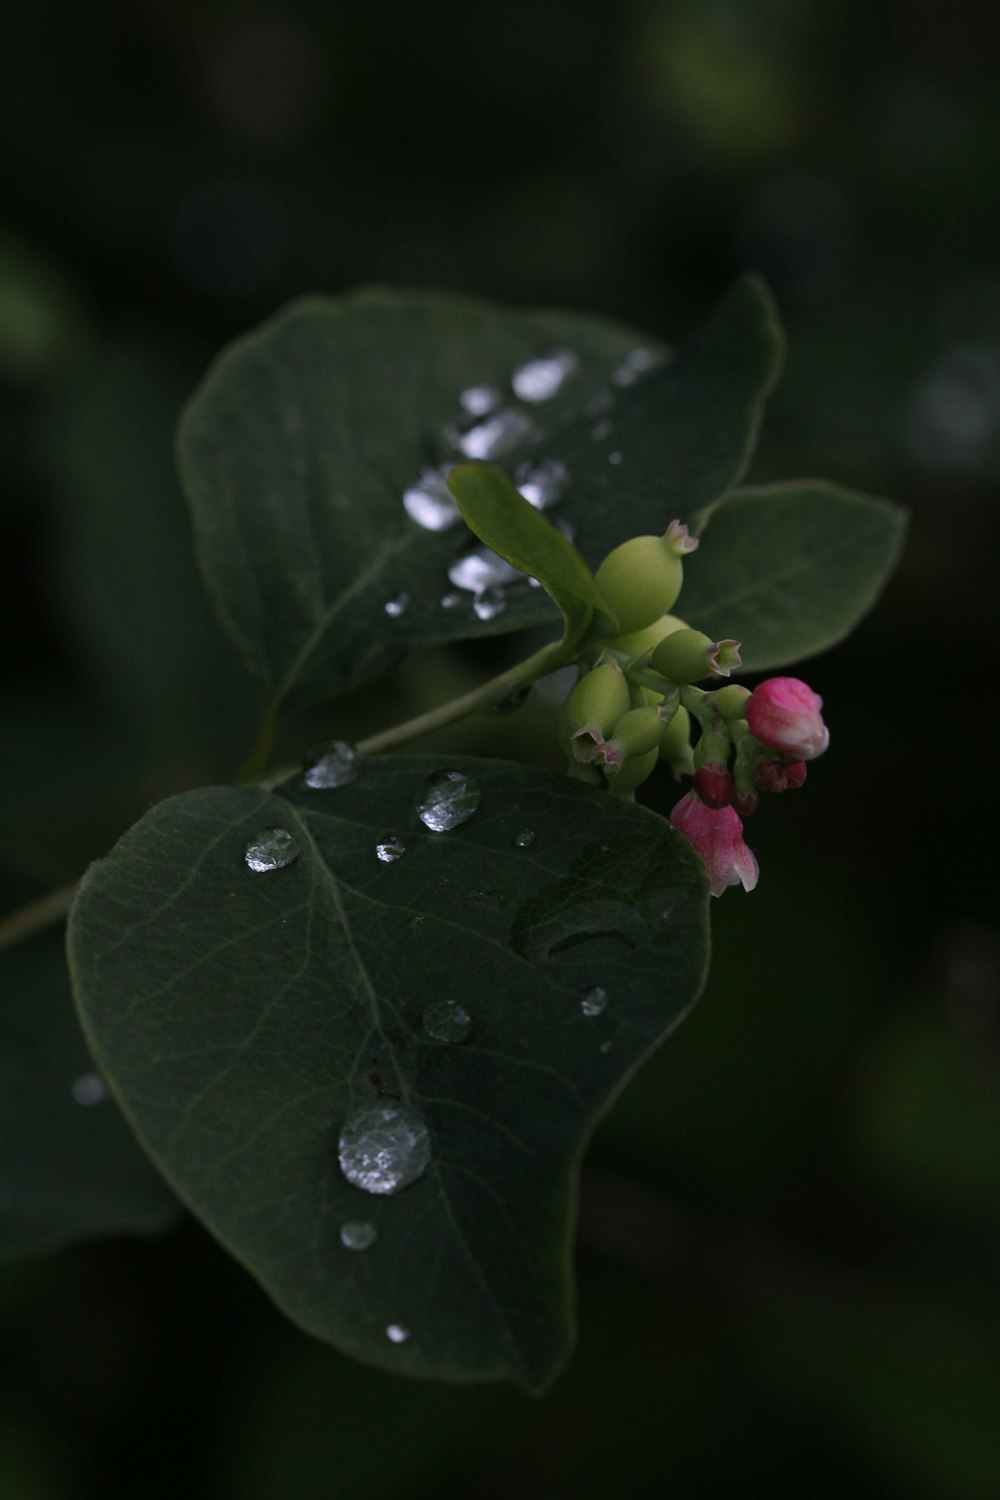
x=713 y=749
x=731 y=701
x=641 y=641
x=594 y=707
x=675 y=746
x=642 y=577
x=636 y=733
x=633 y=773
x=689 y=655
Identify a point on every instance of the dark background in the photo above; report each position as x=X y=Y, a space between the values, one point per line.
x=788 y=1246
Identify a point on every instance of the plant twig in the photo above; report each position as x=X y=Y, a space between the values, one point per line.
x=36 y=916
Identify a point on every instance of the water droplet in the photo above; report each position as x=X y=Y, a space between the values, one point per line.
x=614 y=458
x=490 y=603
x=390 y=849
x=358 y=1234
x=383 y=1147
x=637 y=362
x=566 y=527
x=271 y=849
x=89 y=1089
x=448 y=799
x=447 y=1022
x=542 y=481
x=481 y=569
x=549 y=930
x=397 y=606
x=524 y=839
x=450 y=601
x=477 y=400
x=601 y=431
x=396 y=1333
x=491 y=436
x=594 y=1002
x=429 y=501
x=542 y=378
x=334 y=763
x=606 y=1046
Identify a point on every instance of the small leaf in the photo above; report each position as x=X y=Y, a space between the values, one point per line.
x=265 y=1031
x=298 y=448
x=501 y=517
x=69 y=1166
x=789 y=569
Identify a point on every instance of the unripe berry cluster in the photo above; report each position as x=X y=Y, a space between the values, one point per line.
x=636 y=703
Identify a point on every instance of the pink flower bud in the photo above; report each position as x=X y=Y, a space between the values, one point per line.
x=746 y=803
x=784 y=714
x=714 y=786
x=716 y=835
x=771 y=776
x=795 y=774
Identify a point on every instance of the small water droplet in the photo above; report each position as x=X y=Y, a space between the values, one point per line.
x=429 y=501
x=333 y=763
x=89 y=1089
x=450 y=601
x=637 y=362
x=614 y=458
x=396 y=1333
x=271 y=849
x=481 y=569
x=446 y=1021
x=594 y=1002
x=383 y=1147
x=524 y=839
x=601 y=431
x=477 y=400
x=448 y=799
x=542 y=378
x=490 y=603
x=490 y=436
x=397 y=606
x=390 y=849
x=542 y=481
x=606 y=1046
x=358 y=1234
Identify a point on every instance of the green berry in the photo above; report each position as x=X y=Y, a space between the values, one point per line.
x=731 y=701
x=675 y=746
x=638 y=642
x=642 y=577
x=597 y=702
x=684 y=656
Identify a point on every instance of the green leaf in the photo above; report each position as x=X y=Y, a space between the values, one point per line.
x=789 y=569
x=69 y=1166
x=500 y=516
x=243 y=1017
x=297 y=450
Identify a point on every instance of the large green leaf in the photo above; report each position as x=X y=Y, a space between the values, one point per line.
x=298 y=448
x=69 y=1166
x=243 y=1017
x=789 y=569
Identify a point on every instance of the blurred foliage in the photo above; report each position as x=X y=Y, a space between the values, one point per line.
x=789 y=1225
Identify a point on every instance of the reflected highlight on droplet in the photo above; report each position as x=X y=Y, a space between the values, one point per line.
x=389 y=849
x=271 y=849
x=542 y=378
x=490 y=603
x=397 y=605
x=447 y=799
x=334 y=763
x=447 y=1021
x=542 y=481
x=595 y=1001
x=89 y=1089
x=358 y=1234
x=491 y=436
x=524 y=839
x=429 y=501
x=396 y=1333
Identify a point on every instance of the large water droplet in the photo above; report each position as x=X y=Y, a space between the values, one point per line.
x=594 y=1002
x=448 y=799
x=429 y=501
x=358 y=1234
x=524 y=839
x=481 y=569
x=390 y=849
x=447 y=1021
x=89 y=1089
x=396 y=1333
x=477 y=400
x=546 y=931
x=614 y=458
x=491 y=436
x=490 y=603
x=383 y=1147
x=271 y=849
x=397 y=606
x=542 y=378
x=450 y=601
x=542 y=482
x=334 y=763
